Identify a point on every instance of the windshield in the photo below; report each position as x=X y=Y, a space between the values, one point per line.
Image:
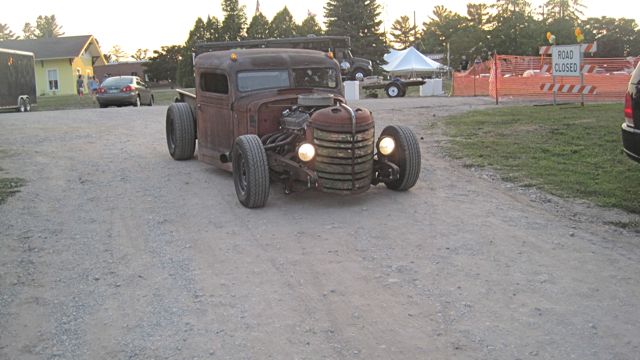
x=117 y=81
x=279 y=79
x=315 y=78
x=258 y=80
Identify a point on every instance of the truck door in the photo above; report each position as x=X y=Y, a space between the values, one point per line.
x=215 y=126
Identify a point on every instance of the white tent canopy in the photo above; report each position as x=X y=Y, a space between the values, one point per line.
x=410 y=61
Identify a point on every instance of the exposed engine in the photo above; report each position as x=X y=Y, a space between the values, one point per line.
x=294 y=121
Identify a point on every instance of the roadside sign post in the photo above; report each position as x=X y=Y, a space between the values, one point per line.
x=567 y=60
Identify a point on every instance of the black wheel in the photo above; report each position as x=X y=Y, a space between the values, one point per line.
x=151 y=100
x=23 y=106
x=250 y=171
x=181 y=131
x=137 y=103
x=102 y=106
x=406 y=156
x=359 y=74
x=394 y=89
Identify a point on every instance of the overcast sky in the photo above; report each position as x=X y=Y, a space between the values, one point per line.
x=151 y=24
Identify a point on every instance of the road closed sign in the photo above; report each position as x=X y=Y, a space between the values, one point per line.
x=566 y=60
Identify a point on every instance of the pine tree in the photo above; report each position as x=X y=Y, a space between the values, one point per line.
x=402 y=32
x=259 y=27
x=282 y=25
x=235 y=20
x=309 y=26
x=46 y=27
x=6 y=33
x=202 y=31
x=29 y=32
x=360 y=20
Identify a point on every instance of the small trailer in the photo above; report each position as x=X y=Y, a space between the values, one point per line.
x=393 y=88
x=17 y=80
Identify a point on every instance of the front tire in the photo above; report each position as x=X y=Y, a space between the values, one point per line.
x=406 y=156
x=250 y=171
x=359 y=75
x=181 y=131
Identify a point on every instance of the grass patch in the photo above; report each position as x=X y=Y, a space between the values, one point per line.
x=69 y=102
x=9 y=187
x=567 y=151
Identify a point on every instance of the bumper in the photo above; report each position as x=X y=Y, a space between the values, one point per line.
x=117 y=99
x=631 y=142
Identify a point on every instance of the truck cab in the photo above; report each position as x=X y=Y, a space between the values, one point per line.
x=281 y=116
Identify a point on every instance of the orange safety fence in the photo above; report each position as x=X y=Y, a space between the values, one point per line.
x=526 y=76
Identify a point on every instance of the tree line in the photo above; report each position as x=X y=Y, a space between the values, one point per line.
x=511 y=27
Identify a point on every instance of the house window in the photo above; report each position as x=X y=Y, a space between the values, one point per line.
x=52 y=76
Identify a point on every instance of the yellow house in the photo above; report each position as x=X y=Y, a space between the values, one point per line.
x=59 y=61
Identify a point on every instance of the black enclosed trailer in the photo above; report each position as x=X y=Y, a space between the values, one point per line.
x=17 y=80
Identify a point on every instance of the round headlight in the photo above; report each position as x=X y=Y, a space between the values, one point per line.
x=306 y=152
x=386 y=145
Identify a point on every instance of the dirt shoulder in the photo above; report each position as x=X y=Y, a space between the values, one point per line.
x=114 y=250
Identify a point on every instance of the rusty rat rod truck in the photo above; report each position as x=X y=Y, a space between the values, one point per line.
x=280 y=115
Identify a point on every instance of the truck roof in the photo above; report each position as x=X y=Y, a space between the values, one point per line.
x=256 y=59
x=17 y=52
x=321 y=43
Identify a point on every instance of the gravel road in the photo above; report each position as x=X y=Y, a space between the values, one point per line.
x=115 y=251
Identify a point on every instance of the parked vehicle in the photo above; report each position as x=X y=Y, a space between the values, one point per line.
x=281 y=115
x=352 y=68
x=17 y=80
x=124 y=90
x=631 y=125
x=393 y=88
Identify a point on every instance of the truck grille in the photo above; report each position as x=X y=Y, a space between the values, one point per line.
x=344 y=163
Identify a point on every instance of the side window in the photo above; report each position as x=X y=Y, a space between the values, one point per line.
x=214 y=83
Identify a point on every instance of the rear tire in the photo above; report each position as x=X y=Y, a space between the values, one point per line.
x=151 y=100
x=406 y=156
x=250 y=171
x=23 y=106
x=181 y=131
x=394 y=89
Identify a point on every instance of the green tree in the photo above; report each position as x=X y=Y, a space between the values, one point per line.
x=163 y=65
x=46 y=27
x=141 y=54
x=615 y=37
x=360 y=20
x=403 y=32
x=438 y=31
x=235 y=20
x=29 y=32
x=258 y=27
x=309 y=26
x=563 y=9
x=515 y=29
x=282 y=25
x=6 y=33
x=117 y=54
x=479 y=15
x=202 y=31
